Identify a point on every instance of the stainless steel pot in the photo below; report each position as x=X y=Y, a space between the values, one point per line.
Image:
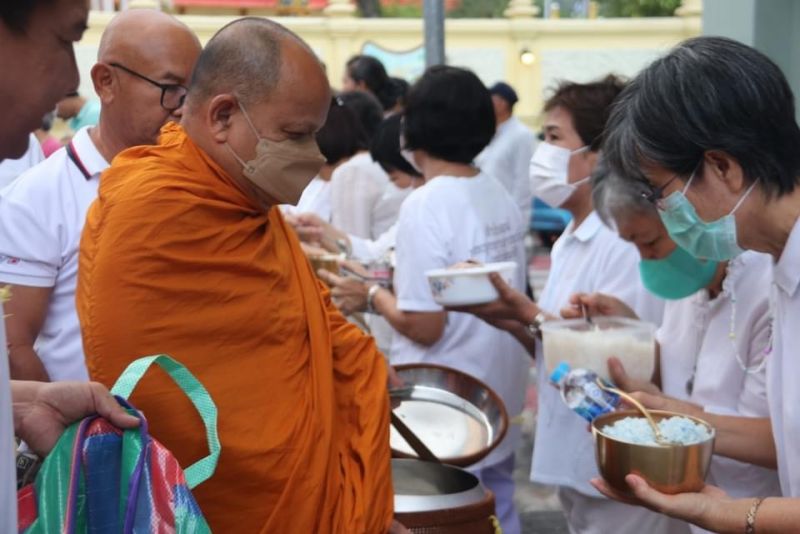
x=426 y=486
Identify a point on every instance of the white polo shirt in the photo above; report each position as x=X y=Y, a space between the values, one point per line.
x=783 y=365
x=447 y=221
x=508 y=158
x=10 y=169
x=588 y=259
x=695 y=334
x=41 y=219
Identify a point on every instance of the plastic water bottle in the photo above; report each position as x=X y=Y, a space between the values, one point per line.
x=581 y=393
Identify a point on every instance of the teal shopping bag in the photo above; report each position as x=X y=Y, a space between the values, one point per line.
x=99 y=478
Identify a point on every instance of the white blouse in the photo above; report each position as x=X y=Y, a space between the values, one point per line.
x=783 y=365
x=702 y=341
x=358 y=204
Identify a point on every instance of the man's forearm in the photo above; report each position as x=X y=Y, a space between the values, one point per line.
x=25 y=364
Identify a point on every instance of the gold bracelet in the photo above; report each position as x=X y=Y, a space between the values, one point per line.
x=750 y=524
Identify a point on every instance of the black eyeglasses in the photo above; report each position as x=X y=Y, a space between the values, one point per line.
x=172 y=94
x=656 y=195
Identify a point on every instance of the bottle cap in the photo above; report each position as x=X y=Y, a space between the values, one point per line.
x=559 y=372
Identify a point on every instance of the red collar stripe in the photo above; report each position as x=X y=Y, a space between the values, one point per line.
x=73 y=155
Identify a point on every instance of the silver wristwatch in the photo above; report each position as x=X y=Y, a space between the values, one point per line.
x=535 y=328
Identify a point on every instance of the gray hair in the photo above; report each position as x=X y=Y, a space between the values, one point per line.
x=616 y=198
x=708 y=93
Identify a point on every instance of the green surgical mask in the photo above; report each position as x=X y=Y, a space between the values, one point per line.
x=678 y=275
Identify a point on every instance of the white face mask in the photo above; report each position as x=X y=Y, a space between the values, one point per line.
x=548 y=173
x=407 y=154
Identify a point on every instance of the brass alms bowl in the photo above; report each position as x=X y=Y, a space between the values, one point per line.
x=669 y=469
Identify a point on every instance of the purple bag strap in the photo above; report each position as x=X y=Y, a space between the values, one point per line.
x=76 y=467
x=135 y=482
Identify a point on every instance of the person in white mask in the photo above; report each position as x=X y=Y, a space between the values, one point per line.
x=587 y=257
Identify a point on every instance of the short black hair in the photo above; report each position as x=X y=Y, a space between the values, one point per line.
x=385 y=148
x=449 y=114
x=589 y=104
x=372 y=73
x=16 y=14
x=708 y=93
x=401 y=88
x=339 y=136
x=367 y=109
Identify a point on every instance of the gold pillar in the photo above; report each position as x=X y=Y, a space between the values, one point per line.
x=521 y=9
x=690 y=8
x=340 y=8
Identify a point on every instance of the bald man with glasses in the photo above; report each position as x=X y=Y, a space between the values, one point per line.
x=144 y=63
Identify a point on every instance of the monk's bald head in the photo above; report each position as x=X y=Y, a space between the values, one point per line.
x=248 y=58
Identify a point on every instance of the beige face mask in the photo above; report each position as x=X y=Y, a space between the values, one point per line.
x=282 y=169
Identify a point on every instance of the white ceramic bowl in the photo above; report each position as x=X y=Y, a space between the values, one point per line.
x=469 y=285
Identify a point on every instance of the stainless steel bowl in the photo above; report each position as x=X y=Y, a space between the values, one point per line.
x=669 y=469
x=426 y=486
x=458 y=417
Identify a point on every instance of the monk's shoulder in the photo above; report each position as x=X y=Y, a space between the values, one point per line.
x=144 y=174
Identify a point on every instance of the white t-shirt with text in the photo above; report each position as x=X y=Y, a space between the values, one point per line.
x=448 y=221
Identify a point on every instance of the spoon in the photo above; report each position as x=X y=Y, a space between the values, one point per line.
x=660 y=439
x=586 y=316
x=423 y=452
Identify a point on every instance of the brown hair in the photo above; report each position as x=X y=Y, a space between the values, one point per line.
x=589 y=104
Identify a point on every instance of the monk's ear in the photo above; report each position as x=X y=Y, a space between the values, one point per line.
x=104 y=82
x=219 y=113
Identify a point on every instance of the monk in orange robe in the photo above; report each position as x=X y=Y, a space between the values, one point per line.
x=186 y=253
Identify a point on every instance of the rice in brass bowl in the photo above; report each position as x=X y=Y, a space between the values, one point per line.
x=669 y=469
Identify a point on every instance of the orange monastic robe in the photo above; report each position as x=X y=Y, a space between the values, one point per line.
x=175 y=259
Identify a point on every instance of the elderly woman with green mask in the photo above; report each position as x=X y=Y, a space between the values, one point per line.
x=715 y=336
